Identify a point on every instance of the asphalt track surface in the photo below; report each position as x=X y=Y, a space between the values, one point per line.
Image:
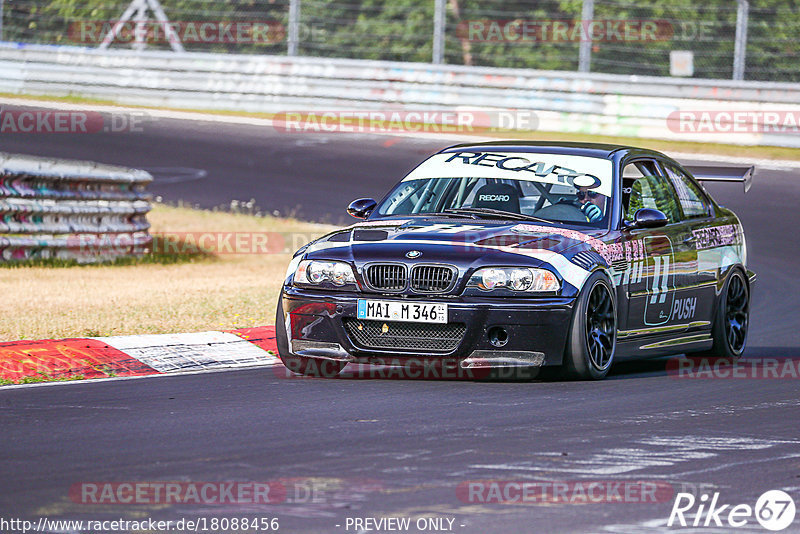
x=402 y=448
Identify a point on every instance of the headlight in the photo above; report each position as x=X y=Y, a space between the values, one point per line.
x=514 y=279
x=314 y=272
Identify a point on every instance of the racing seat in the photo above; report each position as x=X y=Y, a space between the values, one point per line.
x=497 y=196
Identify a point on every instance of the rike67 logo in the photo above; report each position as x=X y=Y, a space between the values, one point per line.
x=774 y=510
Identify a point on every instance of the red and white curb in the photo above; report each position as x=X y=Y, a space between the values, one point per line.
x=123 y=356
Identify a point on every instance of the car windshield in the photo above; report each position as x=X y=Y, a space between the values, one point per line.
x=552 y=187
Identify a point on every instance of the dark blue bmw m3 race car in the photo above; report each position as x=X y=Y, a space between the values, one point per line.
x=525 y=255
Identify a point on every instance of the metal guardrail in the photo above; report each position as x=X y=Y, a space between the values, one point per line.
x=636 y=106
x=55 y=208
x=721 y=39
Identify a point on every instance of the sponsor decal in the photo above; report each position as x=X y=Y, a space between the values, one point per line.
x=556 y=169
x=517 y=163
x=610 y=252
x=684 y=308
x=716 y=236
x=494 y=198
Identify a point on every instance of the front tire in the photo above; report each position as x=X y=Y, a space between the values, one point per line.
x=297 y=364
x=593 y=331
x=731 y=318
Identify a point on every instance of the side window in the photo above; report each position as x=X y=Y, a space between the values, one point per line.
x=689 y=195
x=653 y=191
x=644 y=187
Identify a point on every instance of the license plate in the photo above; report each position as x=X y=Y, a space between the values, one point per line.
x=390 y=310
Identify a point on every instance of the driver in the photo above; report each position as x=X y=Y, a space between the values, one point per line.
x=592 y=203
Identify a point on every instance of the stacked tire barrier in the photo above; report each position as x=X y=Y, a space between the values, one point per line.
x=634 y=106
x=73 y=210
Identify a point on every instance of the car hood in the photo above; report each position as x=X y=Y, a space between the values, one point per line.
x=464 y=243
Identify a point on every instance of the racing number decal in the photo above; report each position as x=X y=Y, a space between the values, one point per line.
x=660 y=278
x=660 y=260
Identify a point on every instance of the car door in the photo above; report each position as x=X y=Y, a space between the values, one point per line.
x=662 y=269
x=698 y=215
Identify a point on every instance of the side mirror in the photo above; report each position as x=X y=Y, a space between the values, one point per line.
x=361 y=208
x=647 y=218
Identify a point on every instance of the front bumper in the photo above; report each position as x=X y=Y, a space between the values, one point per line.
x=537 y=329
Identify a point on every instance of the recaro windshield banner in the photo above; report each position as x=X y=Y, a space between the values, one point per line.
x=593 y=173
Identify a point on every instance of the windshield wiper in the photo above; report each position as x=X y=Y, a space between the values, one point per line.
x=447 y=213
x=498 y=213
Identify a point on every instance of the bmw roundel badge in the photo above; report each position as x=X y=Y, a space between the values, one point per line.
x=411 y=254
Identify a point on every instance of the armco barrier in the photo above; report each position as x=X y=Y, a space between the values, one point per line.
x=55 y=208
x=636 y=106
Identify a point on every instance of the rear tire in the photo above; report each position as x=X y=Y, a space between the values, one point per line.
x=297 y=364
x=593 y=332
x=731 y=318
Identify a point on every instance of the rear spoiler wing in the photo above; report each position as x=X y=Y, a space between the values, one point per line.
x=724 y=174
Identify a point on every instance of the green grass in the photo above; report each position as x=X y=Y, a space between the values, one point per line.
x=41 y=377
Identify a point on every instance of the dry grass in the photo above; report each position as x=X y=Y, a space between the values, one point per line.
x=198 y=292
